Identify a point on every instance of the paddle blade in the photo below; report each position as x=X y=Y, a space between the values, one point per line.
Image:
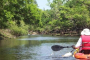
x=56 y=47
x=67 y=54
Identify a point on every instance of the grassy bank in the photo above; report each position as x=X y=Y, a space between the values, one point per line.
x=6 y=33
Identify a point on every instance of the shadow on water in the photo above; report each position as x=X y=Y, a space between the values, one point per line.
x=35 y=47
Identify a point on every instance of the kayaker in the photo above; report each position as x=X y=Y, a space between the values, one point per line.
x=84 y=42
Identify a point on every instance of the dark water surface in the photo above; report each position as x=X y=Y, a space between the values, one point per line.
x=35 y=47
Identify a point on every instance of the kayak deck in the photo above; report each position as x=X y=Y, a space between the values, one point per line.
x=79 y=55
x=82 y=56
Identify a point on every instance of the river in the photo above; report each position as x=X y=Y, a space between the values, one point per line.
x=35 y=47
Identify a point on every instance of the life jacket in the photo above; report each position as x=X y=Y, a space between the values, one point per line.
x=85 y=42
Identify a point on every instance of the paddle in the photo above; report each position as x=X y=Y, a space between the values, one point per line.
x=58 y=47
x=68 y=54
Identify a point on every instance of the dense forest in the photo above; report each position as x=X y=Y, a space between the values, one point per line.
x=24 y=16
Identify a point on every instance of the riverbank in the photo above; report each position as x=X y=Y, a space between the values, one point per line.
x=61 y=33
x=6 y=33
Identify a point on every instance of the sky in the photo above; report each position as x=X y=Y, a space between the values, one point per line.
x=42 y=4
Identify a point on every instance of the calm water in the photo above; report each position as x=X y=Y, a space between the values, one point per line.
x=35 y=47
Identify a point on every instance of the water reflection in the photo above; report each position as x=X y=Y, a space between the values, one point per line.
x=35 y=47
x=43 y=37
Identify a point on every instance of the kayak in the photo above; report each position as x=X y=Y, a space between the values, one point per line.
x=79 y=55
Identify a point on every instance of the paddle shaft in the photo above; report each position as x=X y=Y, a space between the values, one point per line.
x=72 y=50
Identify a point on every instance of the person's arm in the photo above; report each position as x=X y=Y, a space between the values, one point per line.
x=78 y=44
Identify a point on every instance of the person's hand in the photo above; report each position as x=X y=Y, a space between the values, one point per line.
x=73 y=46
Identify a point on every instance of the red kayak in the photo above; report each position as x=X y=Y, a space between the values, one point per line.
x=79 y=55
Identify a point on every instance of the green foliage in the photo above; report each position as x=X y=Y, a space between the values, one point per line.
x=63 y=15
x=39 y=29
x=8 y=15
x=19 y=30
x=25 y=14
x=18 y=14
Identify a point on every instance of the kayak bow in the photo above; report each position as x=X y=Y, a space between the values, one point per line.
x=79 y=55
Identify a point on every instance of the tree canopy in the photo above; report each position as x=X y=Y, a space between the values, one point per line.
x=64 y=15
